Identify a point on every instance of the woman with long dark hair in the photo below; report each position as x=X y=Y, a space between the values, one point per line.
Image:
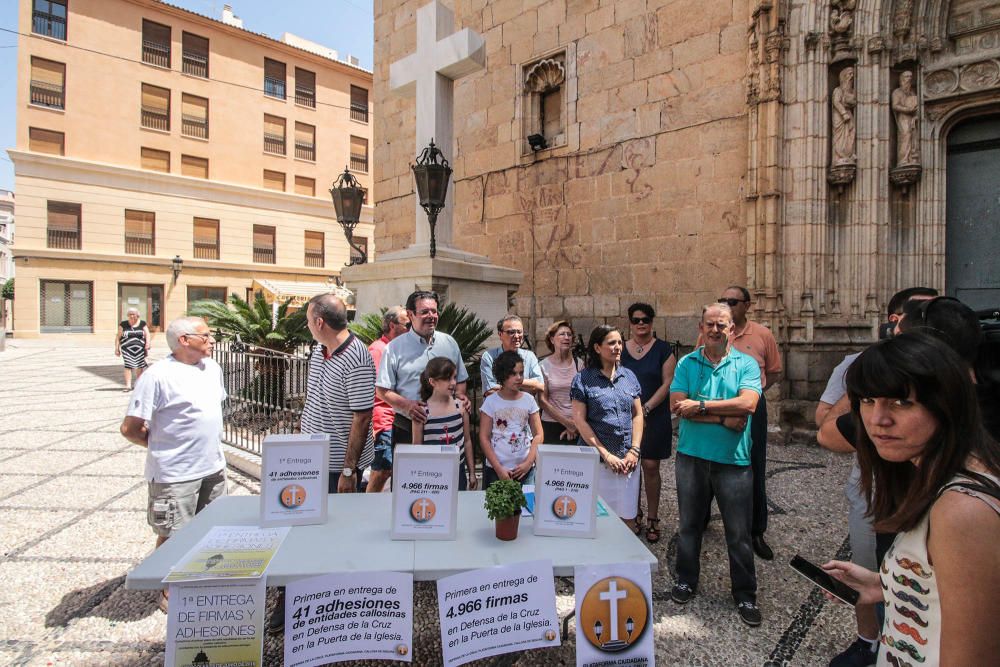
x=932 y=475
x=608 y=416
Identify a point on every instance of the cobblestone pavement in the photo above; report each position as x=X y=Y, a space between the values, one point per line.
x=72 y=523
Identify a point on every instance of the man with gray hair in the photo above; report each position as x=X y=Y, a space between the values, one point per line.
x=175 y=412
x=511 y=331
x=394 y=322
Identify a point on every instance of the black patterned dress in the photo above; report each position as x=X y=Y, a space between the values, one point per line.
x=133 y=344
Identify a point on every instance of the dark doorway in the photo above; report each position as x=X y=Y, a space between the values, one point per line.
x=972 y=239
x=147 y=299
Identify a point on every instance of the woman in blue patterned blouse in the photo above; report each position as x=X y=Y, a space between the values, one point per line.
x=607 y=412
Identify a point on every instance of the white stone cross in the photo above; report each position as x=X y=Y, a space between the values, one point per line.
x=565 y=506
x=422 y=509
x=441 y=57
x=613 y=595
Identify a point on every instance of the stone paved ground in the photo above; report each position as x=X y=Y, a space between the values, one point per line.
x=72 y=522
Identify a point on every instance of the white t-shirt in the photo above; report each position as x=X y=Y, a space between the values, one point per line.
x=183 y=405
x=511 y=437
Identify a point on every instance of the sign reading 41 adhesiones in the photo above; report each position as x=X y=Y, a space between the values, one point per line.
x=613 y=615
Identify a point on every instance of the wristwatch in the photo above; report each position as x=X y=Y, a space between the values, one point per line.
x=347 y=472
x=702 y=410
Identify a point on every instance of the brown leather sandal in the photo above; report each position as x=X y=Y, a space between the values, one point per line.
x=652 y=531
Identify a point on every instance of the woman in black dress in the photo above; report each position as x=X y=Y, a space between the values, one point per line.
x=653 y=361
x=132 y=344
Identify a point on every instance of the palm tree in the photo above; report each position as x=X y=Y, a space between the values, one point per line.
x=256 y=324
x=369 y=328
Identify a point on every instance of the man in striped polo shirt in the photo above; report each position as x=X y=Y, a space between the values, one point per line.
x=340 y=393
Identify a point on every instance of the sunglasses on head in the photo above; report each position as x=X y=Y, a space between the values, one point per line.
x=641 y=320
x=732 y=302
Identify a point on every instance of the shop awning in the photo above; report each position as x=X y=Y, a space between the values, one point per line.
x=277 y=291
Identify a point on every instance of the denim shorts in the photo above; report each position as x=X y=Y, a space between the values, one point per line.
x=383 y=451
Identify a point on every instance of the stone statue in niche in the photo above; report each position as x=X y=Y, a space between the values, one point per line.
x=845 y=99
x=904 y=107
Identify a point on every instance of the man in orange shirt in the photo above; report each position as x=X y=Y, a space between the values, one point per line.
x=756 y=340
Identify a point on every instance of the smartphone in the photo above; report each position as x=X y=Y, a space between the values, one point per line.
x=821 y=578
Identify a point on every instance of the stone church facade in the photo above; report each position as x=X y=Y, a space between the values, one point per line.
x=660 y=150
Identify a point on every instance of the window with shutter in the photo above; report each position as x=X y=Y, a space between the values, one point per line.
x=155 y=107
x=314 y=249
x=305 y=88
x=274 y=135
x=194 y=59
x=305 y=142
x=155 y=160
x=359 y=154
x=140 y=232
x=48 y=83
x=359 y=104
x=194 y=116
x=49 y=18
x=263 y=244
x=274 y=180
x=274 y=78
x=46 y=141
x=206 y=238
x=194 y=166
x=155 y=44
x=63 y=228
x=305 y=186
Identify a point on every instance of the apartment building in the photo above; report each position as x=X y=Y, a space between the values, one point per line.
x=165 y=157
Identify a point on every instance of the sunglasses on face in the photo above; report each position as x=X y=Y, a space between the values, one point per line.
x=732 y=302
x=641 y=320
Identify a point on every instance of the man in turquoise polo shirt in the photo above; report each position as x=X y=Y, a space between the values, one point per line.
x=715 y=392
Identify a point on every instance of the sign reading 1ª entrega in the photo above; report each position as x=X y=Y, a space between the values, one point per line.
x=424 y=492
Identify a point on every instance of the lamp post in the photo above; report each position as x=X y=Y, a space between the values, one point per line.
x=176 y=264
x=432 y=174
x=348 y=197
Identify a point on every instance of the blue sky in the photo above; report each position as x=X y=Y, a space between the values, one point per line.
x=344 y=25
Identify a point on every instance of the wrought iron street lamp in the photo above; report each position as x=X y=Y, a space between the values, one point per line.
x=176 y=264
x=432 y=174
x=348 y=197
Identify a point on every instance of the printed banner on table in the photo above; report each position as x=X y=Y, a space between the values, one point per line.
x=294 y=479
x=336 y=617
x=614 y=624
x=497 y=610
x=566 y=491
x=219 y=624
x=229 y=552
x=424 y=492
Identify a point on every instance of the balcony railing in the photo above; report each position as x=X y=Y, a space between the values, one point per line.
x=274 y=87
x=155 y=53
x=359 y=162
x=359 y=112
x=305 y=151
x=195 y=64
x=306 y=97
x=193 y=126
x=64 y=239
x=263 y=255
x=49 y=95
x=206 y=250
x=136 y=244
x=49 y=25
x=314 y=259
x=155 y=119
x=274 y=143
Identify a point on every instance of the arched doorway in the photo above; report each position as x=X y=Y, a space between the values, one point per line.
x=972 y=260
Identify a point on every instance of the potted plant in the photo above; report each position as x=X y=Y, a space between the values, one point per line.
x=504 y=500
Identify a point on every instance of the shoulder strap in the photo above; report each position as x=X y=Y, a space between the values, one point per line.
x=980 y=484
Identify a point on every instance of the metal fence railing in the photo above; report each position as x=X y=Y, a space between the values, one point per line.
x=266 y=392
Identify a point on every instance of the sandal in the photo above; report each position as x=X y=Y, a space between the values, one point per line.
x=163 y=602
x=652 y=531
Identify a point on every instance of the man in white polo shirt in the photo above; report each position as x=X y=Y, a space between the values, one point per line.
x=175 y=412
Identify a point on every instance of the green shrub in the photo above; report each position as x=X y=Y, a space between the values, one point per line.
x=504 y=499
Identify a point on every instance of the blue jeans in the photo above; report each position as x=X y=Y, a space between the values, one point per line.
x=383 y=451
x=697 y=480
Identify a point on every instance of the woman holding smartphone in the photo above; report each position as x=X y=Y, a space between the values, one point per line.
x=932 y=475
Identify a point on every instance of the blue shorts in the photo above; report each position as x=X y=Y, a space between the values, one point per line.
x=383 y=451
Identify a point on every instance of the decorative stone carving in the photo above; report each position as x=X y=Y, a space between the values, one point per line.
x=545 y=75
x=978 y=76
x=905 y=105
x=940 y=82
x=841 y=19
x=844 y=101
x=902 y=18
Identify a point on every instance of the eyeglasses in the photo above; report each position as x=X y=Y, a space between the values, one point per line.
x=641 y=320
x=199 y=335
x=732 y=302
x=405 y=325
x=427 y=311
x=721 y=326
x=513 y=332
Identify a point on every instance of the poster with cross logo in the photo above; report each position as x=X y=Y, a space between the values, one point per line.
x=614 y=615
x=566 y=491
x=424 y=492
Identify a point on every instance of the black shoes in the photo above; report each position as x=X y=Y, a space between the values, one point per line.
x=276 y=624
x=858 y=654
x=681 y=593
x=749 y=613
x=761 y=549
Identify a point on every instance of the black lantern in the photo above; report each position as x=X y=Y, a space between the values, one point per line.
x=176 y=264
x=432 y=174
x=348 y=197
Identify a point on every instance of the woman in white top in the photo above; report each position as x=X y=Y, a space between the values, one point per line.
x=558 y=371
x=932 y=475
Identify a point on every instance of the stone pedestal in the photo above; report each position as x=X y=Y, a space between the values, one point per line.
x=467 y=280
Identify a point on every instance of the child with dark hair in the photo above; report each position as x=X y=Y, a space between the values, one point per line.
x=510 y=427
x=447 y=423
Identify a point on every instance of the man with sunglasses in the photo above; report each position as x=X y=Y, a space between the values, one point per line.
x=395 y=323
x=511 y=330
x=175 y=412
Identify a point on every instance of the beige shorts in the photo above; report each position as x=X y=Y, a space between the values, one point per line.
x=172 y=504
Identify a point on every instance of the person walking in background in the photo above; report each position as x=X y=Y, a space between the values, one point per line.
x=447 y=422
x=607 y=412
x=653 y=362
x=510 y=429
x=132 y=344
x=395 y=322
x=558 y=371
